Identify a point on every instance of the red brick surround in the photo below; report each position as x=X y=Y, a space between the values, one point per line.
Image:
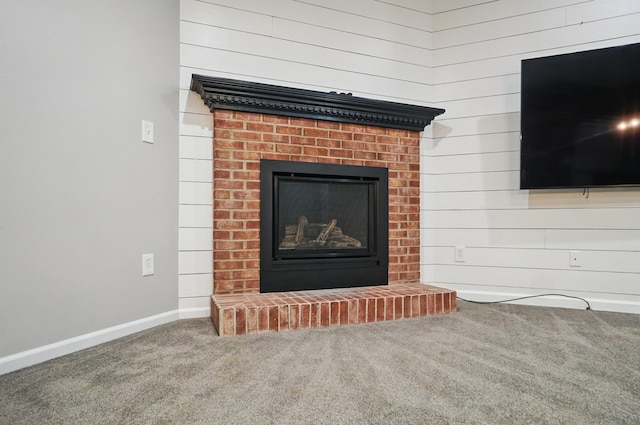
x=241 y=139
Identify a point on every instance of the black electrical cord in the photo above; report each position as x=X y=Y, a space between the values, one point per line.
x=529 y=296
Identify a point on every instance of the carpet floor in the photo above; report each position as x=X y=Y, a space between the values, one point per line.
x=485 y=364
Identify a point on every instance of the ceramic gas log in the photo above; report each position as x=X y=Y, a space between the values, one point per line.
x=307 y=235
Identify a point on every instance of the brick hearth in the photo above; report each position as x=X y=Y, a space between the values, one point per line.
x=238 y=314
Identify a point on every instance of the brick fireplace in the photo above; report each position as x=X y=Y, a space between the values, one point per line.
x=241 y=139
x=254 y=122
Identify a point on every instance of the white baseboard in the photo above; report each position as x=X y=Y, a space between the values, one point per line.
x=597 y=304
x=67 y=346
x=194 y=313
x=616 y=306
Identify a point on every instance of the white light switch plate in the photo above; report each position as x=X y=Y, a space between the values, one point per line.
x=147 y=131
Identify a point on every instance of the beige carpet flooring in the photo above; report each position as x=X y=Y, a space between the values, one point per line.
x=485 y=364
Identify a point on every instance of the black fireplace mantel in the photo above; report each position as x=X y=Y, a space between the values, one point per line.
x=246 y=96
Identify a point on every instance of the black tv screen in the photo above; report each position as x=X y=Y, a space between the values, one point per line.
x=580 y=119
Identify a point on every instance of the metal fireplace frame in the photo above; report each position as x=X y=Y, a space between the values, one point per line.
x=325 y=270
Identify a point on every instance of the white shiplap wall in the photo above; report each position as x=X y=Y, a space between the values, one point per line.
x=463 y=55
x=369 y=48
x=518 y=242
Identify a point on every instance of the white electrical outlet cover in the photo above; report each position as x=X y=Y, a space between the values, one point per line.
x=575 y=259
x=148 y=266
x=459 y=254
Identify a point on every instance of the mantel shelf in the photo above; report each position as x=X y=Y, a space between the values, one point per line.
x=246 y=96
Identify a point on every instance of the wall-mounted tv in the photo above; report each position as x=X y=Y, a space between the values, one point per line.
x=580 y=119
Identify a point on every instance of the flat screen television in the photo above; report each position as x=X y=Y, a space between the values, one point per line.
x=580 y=119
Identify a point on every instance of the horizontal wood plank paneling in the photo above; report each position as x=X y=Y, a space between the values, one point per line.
x=226 y=16
x=474 y=163
x=477 y=200
x=195 y=239
x=498 y=29
x=518 y=241
x=296 y=52
x=475 y=144
x=195 y=193
x=196 y=216
x=196 y=170
x=596 y=218
x=477 y=69
x=444 y=6
x=489 y=86
x=499 y=62
x=489 y=105
x=194 y=307
x=536 y=42
x=494 y=238
x=193 y=147
x=360 y=81
x=478 y=12
x=470 y=155
x=446 y=128
x=350 y=42
x=555 y=239
x=337 y=19
x=195 y=262
x=199 y=125
x=194 y=285
x=378 y=10
x=494 y=180
x=467 y=199
x=597 y=10
x=526 y=258
x=424 y=7
x=195 y=244
x=542 y=280
x=594 y=239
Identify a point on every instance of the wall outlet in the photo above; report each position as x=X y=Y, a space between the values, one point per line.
x=460 y=254
x=148 y=266
x=575 y=259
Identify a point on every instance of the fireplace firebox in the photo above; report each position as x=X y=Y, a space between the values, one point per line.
x=322 y=226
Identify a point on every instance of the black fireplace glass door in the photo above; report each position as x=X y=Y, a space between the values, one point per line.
x=322 y=226
x=323 y=216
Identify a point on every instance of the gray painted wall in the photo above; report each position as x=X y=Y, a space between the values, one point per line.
x=81 y=197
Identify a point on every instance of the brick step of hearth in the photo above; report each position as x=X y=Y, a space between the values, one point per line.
x=238 y=314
